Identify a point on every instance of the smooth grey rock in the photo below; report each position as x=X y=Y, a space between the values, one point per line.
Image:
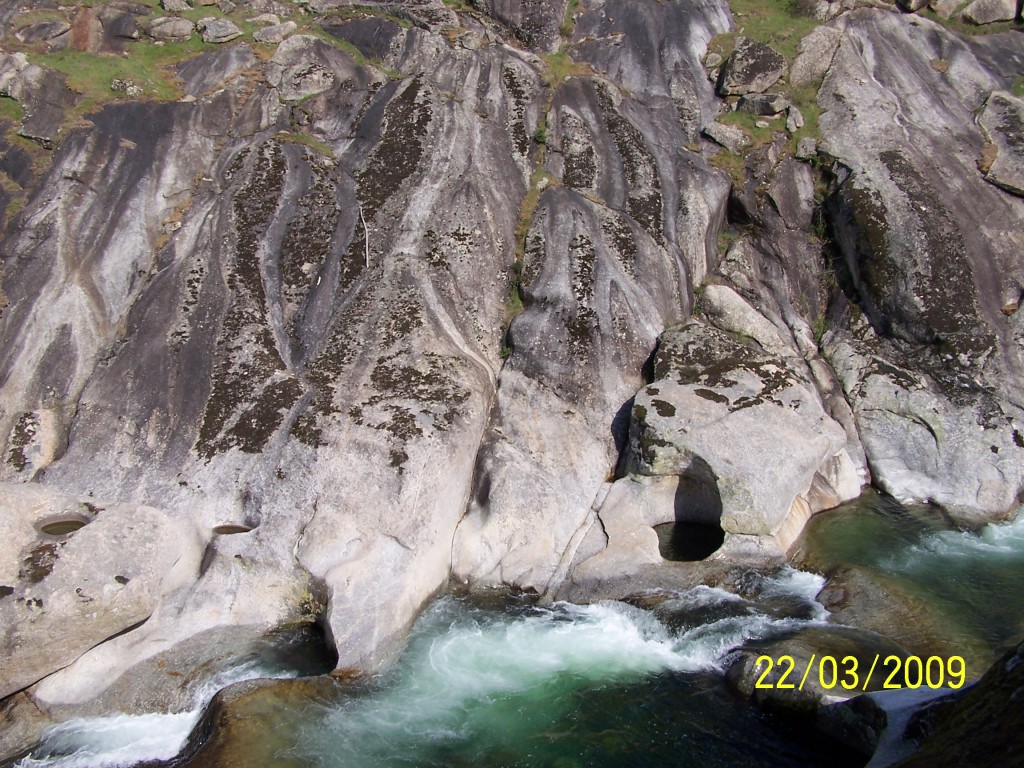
x=945 y=8
x=767 y=104
x=794 y=119
x=911 y=6
x=275 y=33
x=719 y=411
x=42 y=31
x=752 y=67
x=219 y=30
x=807 y=148
x=304 y=66
x=175 y=6
x=713 y=60
x=938 y=416
x=170 y=29
x=728 y=311
x=988 y=11
x=1003 y=123
x=267 y=19
x=536 y=24
x=814 y=56
x=931 y=437
x=101 y=579
x=731 y=137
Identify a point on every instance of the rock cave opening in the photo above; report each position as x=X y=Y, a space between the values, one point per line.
x=697 y=532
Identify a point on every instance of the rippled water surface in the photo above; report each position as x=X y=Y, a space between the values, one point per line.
x=972 y=580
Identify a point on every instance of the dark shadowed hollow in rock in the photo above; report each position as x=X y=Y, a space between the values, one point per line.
x=697 y=531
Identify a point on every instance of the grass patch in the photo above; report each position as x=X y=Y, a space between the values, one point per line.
x=748 y=122
x=561 y=66
x=778 y=23
x=724 y=160
x=1017 y=89
x=307 y=141
x=11 y=110
x=146 y=65
x=529 y=207
x=569 y=20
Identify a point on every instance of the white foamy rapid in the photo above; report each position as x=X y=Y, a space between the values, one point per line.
x=472 y=676
x=791 y=582
x=1003 y=541
x=120 y=741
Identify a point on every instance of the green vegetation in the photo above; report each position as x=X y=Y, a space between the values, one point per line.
x=307 y=141
x=779 y=23
x=529 y=207
x=10 y=110
x=1017 y=89
x=569 y=21
x=819 y=328
x=145 y=65
x=561 y=66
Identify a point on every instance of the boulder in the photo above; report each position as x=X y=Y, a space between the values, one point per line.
x=731 y=137
x=719 y=411
x=807 y=148
x=275 y=33
x=814 y=56
x=794 y=119
x=175 y=6
x=819 y=687
x=763 y=103
x=980 y=727
x=170 y=29
x=42 y=31
x=1003 y=123
x=945 y=8
x=753 y=67
x=266 y=19
x=988 y=11
x=911 y=6
x=218 y=30
x=304 y=66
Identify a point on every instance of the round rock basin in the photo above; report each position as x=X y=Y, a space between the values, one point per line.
x=229 y=528
x=61 y=525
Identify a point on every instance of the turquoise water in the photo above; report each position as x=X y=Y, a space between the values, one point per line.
x=971 y=582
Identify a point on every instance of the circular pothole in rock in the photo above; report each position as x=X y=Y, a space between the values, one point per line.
x=228 y=529
x=62 y=525
x=684 y=542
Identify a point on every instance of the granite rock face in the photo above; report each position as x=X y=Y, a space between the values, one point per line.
x=934 y=373
x=400 y=302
